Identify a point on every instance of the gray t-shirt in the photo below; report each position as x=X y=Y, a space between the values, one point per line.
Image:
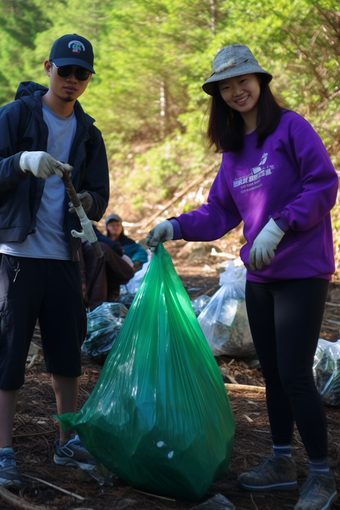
x=48 y=242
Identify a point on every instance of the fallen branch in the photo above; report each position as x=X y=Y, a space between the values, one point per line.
x=325 y=326
x=153 y=495
x=251 y=496
x=248 y=419
x=16 y=502
x=43 y=433
x=333 y=322
x=36 y=358
x=332 y=304
x=232 y=379
x=183 y=192
x=244 y=388
x=55 y=487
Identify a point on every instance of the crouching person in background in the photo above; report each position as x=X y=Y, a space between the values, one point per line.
x=102 y=277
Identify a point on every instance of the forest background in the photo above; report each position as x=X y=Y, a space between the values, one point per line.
x=151 y=58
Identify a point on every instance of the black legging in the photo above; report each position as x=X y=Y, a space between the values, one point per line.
x=285 y=320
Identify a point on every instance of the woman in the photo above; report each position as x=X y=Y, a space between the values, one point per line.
x=115 y=234
x=277 y=178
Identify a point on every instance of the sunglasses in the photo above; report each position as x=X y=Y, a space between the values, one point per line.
x=80 y=73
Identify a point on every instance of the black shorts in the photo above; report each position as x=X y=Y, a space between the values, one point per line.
x=48 y=290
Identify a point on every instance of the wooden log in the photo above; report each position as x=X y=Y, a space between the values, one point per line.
x=16 y=502
x=244 y=388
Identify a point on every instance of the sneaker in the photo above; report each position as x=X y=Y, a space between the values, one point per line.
x=318 y=493
x=74 y=454
x=9 y=475
x=275 y=473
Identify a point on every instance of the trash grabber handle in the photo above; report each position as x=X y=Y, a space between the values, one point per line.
x=88 y=231
x=70 y=190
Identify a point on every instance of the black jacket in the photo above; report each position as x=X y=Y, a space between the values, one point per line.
x=22 y=128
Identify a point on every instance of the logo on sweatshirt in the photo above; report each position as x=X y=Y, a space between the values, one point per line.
x=253 y=179
x=257 y=169
x=76 y=46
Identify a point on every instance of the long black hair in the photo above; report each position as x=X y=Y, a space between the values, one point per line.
x=226 y=126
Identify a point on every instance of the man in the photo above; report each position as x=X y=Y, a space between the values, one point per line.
x=44 y=133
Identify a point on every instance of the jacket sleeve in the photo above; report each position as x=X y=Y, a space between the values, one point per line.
x=136 y=252
x=96 y=177
x=214 y=219
x=318 y=177
x=10 y=172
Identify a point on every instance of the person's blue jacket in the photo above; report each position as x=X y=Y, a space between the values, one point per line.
x=126 y=245
x=22 y=128
x=113 y=244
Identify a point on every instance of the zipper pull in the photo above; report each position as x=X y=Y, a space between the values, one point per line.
x=17 y=270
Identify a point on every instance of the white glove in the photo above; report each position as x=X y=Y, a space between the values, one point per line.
x=264 y=245
x=86 y=201
x=162 y=232
x=42 y=164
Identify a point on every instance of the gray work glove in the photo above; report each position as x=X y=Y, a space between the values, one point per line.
x=86 y=201
x=264 y=245
x=162 y=232
x=41 y=164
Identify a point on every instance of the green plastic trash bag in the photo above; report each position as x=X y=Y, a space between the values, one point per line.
x=159 y=416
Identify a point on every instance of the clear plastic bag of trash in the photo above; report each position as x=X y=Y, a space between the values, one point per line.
x=125 y=297
x=103 y=326
x=200 y=303
x=326 y=371
x=133 y=284
x=224 y=320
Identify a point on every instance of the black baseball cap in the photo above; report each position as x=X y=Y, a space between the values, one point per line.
x=72 y=50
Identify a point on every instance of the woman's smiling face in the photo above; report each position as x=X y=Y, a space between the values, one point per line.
x=241 y=93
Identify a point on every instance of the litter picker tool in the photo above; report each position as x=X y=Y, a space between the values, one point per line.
x=88 y=232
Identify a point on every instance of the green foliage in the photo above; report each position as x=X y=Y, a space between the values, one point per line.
x=189 y=206
x=151 y=58
x=20 y=22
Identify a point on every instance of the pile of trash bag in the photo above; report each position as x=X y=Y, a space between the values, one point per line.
x=103 y=326
x=159 y=417
x=125 y=297
x=326 y=371
x=224 y=320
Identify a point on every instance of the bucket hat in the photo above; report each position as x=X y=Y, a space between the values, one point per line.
x=230 y=61
x=72 y=50
x=112 y=217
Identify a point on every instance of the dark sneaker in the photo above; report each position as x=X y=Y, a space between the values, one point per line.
x=318 y=493
x=74 y=454
x=276 y=473
x=9 y=475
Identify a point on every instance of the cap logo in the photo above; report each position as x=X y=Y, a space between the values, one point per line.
x=76 y=46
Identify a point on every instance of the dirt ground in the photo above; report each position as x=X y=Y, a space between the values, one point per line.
x=35 y=429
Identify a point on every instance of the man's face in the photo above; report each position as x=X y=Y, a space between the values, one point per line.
x=69 y=88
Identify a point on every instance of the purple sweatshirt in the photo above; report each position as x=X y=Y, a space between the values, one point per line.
x=291 y=179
